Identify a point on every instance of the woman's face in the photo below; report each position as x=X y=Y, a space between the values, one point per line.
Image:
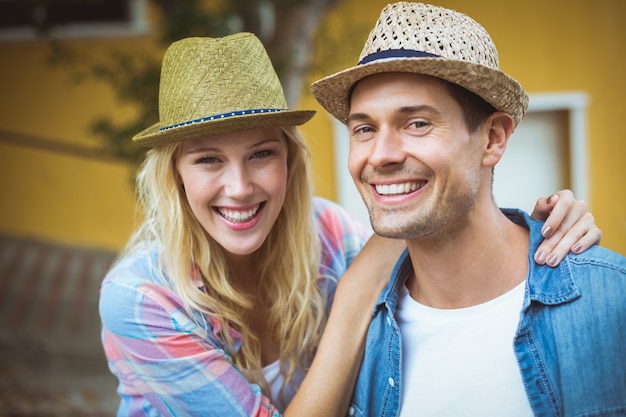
x=235 y=184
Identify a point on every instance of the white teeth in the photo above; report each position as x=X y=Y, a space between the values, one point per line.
x=239 y=216
x=393 y=189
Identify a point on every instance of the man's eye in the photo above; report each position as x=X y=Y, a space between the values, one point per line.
x=363 y=129
x=418 y=124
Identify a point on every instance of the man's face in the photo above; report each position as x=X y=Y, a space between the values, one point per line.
x=412 y=158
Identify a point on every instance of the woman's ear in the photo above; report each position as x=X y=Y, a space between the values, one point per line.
x=500 y=128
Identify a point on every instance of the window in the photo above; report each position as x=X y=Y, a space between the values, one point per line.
x=23 y=19
x=547 y=152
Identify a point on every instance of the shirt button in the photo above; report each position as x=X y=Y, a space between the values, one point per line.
x=351 y=411
x=391 y=382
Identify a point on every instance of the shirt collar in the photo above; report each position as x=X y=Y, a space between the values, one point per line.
x=401 y=272
x=544 y=284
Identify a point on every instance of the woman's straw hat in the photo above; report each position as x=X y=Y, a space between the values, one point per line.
x=218 y=85
x=429 y=40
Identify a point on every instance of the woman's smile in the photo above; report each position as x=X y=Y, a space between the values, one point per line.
x=240 y=218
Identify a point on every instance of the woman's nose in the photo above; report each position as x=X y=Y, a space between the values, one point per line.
x=238 y=182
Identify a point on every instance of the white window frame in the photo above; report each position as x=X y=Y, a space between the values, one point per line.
x=575 y=104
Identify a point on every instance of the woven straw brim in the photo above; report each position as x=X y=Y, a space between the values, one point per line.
x=495 y=87
x=153 y=136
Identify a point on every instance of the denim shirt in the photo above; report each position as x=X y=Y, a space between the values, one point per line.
x=570 y=343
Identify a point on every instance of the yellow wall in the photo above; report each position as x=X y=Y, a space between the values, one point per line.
x=567 y=45
x=55 y=195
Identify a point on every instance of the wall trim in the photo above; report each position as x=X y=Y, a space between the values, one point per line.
x=575 y=103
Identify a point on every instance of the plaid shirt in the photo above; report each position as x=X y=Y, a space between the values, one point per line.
x=166 y=363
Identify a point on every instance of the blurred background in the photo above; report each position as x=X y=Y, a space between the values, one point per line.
x=79 y=77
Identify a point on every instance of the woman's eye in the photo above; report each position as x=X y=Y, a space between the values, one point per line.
x=262 y=154
x=207 y=160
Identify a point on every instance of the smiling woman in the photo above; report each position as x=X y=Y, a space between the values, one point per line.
x=227 y=284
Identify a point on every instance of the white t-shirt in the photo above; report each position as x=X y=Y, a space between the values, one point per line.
x=460 y=362
x=275 y=380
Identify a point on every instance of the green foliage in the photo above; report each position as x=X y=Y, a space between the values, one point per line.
x=184 y=18
x=136 y=80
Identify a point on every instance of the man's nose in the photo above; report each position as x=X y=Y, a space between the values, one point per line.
x=387 y=148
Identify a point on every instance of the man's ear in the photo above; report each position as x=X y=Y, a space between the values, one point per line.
x=500 y=128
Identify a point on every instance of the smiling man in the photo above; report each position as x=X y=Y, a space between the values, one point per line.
x=468 y=325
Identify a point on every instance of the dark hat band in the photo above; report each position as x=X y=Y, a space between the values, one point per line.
x=221 y=116
x=396 y=53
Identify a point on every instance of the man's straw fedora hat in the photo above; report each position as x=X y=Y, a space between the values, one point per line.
x=218 y=85
x=429 y=40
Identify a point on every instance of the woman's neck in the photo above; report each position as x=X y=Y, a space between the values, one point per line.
x=244 y=271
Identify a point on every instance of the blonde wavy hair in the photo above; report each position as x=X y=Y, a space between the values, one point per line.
x=288 y=262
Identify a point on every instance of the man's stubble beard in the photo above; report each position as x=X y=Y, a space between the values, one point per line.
x=426 y=219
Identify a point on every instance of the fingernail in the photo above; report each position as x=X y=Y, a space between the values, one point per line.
x=545 y=232
x=552 y=260
x=552 y=197
x=577 y=248
x=541 y=256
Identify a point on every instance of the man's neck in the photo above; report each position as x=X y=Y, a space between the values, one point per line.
x=470 y=264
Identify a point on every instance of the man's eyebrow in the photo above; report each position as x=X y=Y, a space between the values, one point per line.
x=357 y=117
x=425 y=108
